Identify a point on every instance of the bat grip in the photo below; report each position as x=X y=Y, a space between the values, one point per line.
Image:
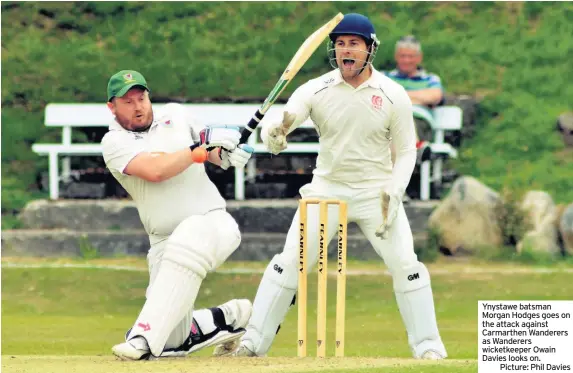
x=251 y=126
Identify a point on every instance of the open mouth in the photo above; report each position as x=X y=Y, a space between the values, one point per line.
x=348 y=62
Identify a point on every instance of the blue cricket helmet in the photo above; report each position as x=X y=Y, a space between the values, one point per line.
x=355 y=24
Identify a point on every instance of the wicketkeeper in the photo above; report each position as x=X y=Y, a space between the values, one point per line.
x=357 y=111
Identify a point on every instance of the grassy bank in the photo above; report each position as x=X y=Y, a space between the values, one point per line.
x=516 y=57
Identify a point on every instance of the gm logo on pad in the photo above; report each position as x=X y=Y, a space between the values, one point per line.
x=413 y=276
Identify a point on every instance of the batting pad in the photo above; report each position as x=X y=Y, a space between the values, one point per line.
x=170 y=299
x=415 y=300
x=274 y=297
x=181 y=331
x=192 y=244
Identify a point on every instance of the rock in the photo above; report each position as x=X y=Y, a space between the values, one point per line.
x=466 y=218
x=538 y=205
x=565 y=127
x=566 y=228
x=542 y=216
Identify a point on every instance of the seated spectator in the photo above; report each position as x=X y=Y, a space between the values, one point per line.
x=424 y=89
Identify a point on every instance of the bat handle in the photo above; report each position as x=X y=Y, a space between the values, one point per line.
x=251 y=126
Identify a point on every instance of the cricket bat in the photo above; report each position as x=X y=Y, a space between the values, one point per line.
x=301 y=56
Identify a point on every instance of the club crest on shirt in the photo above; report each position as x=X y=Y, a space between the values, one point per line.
x=168 y=122
x=376 y=102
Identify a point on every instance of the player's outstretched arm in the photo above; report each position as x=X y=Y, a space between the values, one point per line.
x=158 y=167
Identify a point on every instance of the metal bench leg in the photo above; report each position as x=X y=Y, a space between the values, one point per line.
x=425 y=181
x=54 y=175
x=251 y=169
x=66 y=168
x=239 y=184
x=437 y=171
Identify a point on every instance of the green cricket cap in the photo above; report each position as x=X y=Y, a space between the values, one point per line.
x=123 y=81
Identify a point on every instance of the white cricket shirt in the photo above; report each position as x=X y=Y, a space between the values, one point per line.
x=163 y=205
x=355 y=126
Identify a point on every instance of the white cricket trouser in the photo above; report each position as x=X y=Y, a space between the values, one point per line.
x=364 y=209
x=280 y=279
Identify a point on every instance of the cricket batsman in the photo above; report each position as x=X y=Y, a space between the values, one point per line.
x=157 y=156
x=357 y=112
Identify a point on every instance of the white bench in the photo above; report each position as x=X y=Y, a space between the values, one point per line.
x=69 y=116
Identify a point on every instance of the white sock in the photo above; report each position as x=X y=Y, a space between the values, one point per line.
x=204 y=319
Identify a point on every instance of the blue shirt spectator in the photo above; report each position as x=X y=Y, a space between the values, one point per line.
x=421 y=79
x=423 y=88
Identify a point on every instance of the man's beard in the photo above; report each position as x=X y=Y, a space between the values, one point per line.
x=355 y=73
x=126 y=123
x=143 y=129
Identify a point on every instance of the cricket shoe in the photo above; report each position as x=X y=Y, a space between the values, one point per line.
x=230 y=320
x=432 y=355
x=135 y=349
x=228 y=348
x=239 y=311
x=244 y=351
x=199 y=341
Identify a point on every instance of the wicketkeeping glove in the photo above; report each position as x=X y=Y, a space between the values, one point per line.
x=226 y=137
x=237 y=158
x=276 y=140
x=391 y=199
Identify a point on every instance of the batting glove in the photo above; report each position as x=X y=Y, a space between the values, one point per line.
x=237 y=158
x=226 y=137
